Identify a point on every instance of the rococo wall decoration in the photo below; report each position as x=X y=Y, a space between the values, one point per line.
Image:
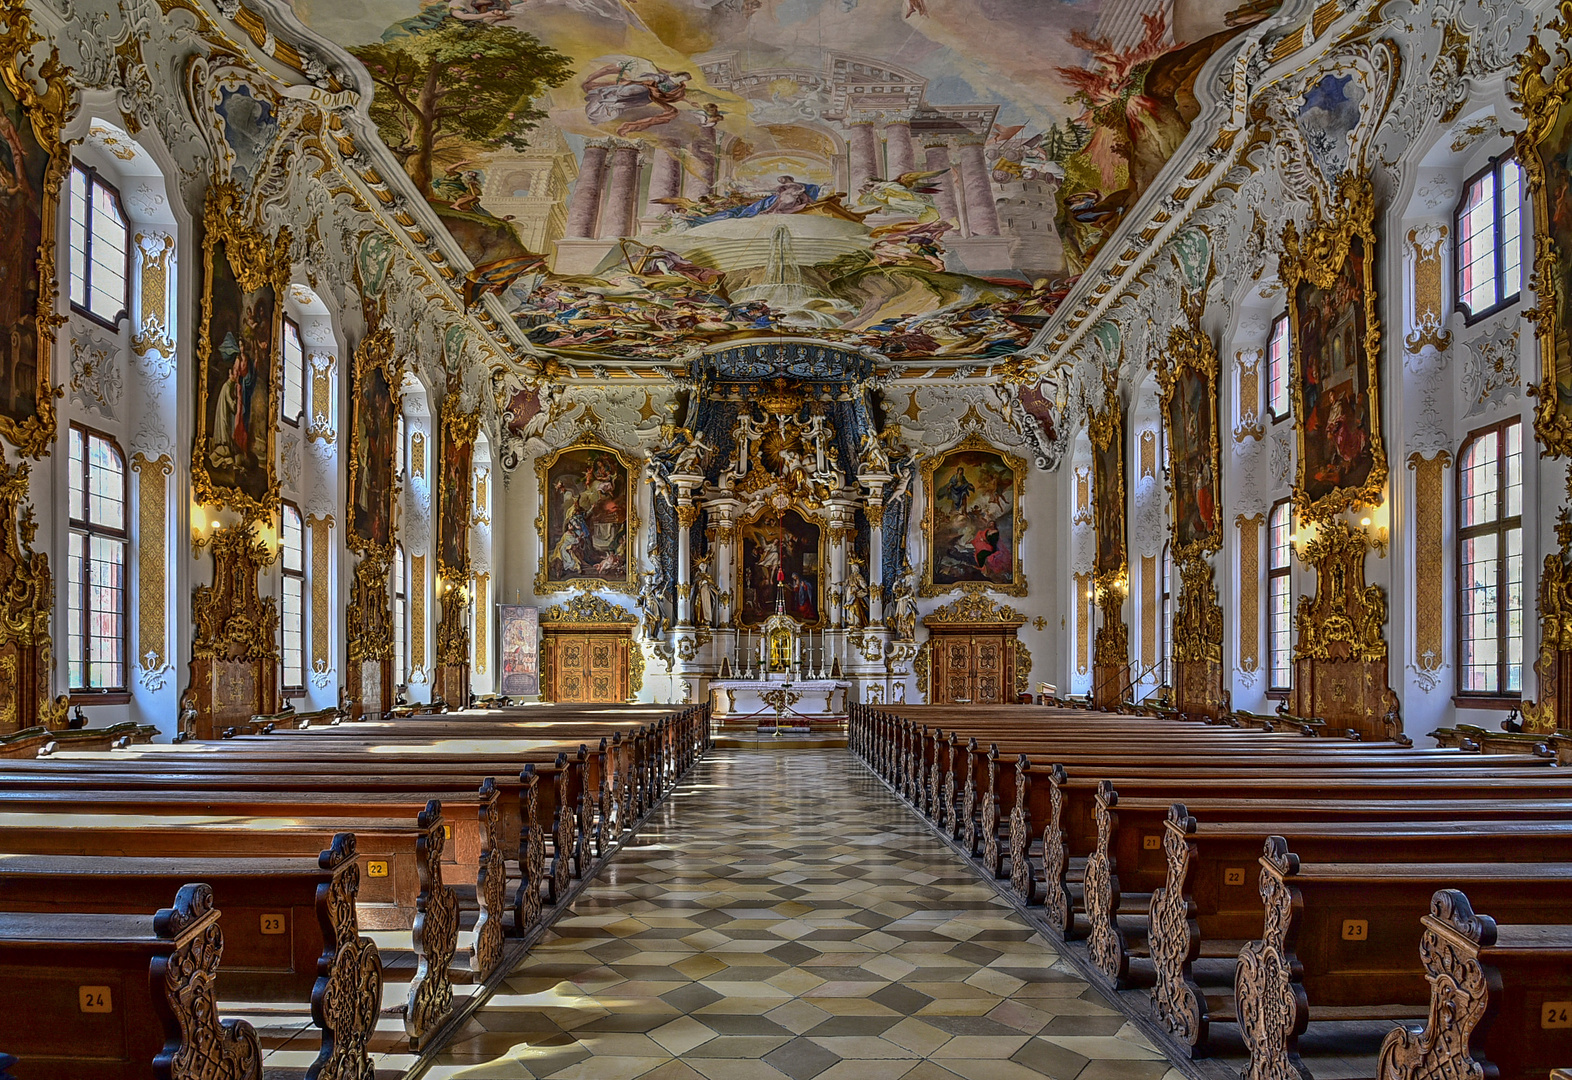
x=30 y=179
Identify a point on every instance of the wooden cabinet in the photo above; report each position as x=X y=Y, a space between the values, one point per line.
x=585 y=666
x=973 y=667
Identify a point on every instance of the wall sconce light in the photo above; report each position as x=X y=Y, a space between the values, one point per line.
x=1380 y=537
x=199 y=525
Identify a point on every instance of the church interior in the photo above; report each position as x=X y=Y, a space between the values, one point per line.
x=808 y=539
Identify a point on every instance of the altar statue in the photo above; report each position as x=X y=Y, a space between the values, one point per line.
x=906 y=604
x=854 y=592
x=704 y=593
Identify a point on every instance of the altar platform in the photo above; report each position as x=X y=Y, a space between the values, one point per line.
x=780 y=702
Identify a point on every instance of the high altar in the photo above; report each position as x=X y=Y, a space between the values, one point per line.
x=780 y=502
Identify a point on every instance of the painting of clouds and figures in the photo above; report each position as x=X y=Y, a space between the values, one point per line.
x=588 y=517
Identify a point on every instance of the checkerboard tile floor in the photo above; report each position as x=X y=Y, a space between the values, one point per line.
x=783 y=916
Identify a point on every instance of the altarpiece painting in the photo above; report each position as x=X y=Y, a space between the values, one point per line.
x=789 y=549
x=587 y=521
x=973 y=521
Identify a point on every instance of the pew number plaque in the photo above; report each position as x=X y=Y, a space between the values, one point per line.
x=1152 y=842
x=95 y=999
x=377 y=868
x=1356 y=929
x=272 y=924
x=1234 y=875
x=1556 y=1014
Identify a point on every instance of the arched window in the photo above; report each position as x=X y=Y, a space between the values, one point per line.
x=400 y=627
x=1279 y=596
x=1278 y=403
x=293 y=613
x=100 y=248
x=294 y=364
x=96 y=566
x=1490 y=240
x=1165 y=658
x=1490 y=561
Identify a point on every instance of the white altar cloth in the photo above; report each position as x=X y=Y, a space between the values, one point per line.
x=794 y=702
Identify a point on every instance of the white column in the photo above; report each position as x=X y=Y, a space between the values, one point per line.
x=863 y=155
x=687 y=515
x=841 y=531
x=873 y=507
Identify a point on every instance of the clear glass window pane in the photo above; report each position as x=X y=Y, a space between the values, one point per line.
x=77 y=470
x=294 y=372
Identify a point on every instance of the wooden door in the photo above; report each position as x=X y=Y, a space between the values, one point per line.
x=988 y=670
x=601 y=668
x=586 y=667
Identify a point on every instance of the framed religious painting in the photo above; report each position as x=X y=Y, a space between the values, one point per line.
x=233 y=458
x=788 y=548
x=1543 y=149
x=1188 y=389
x=33 y=164
x=972 y=520
x=1335 y=350
x=374 y=407
x=455 y=489
x=1107 y=435
x=587 y=524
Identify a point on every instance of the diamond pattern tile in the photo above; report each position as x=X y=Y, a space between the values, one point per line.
x=783 y=917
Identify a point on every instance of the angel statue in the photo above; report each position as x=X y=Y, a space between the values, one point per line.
x=704 y=592
x=906 y=604
x=695 y=455
x=875 y=459
x=854 y=594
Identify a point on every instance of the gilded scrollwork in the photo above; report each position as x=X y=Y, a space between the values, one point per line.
x=1344 y=620
x=368 y=619
x=47 y=110
x=232 y=621
x=26 y=649
x=1198 y=618
x=1543 y=105
x=590 y=609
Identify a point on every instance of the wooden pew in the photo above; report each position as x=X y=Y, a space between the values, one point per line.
x=41 y=741
x=390 y=852
x=1208 y=906
x=1342 y=941
x=130 y=995
x=289 y=927
x=1500 y=999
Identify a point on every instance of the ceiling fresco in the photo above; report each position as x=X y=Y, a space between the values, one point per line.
x=925 y=178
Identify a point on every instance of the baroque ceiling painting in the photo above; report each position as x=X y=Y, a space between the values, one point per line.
x=635 y=179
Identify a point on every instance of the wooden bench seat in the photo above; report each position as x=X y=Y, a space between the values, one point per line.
x=401 y=865
x=289 y=925
x=130 y=996
x=1347 y=936
x=1500 y=996
x=1209 y=904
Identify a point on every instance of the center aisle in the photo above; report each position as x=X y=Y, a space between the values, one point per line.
x=783 y=915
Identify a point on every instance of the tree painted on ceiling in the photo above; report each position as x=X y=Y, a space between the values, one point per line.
x=444 y=93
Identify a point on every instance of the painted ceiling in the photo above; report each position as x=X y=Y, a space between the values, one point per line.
x=925 y=178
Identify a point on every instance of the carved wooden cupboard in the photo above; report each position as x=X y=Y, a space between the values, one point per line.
x=972 y=653
x=587 y=653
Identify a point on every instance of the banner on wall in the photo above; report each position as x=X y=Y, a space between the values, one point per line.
x=520 y=673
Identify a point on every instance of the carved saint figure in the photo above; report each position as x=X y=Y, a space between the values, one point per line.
x=704 y=594
x=906 y=604
x=854 y=593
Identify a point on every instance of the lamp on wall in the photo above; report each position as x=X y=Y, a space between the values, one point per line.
x=1376 y=530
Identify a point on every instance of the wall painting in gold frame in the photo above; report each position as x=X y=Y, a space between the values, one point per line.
x=972 y=522
x=233 y=455
x=1335 y=350
x=1188 y=389
x=587 y=522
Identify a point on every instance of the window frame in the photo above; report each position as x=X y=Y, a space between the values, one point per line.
x=300 y=371
x=1493 y=169
x=1288 y=370
x=96 y=179
x=1273 y=572
x=291 y=690
x=400 y=617
x=1165 y=612
x=1499 y=527
x=86 y=527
